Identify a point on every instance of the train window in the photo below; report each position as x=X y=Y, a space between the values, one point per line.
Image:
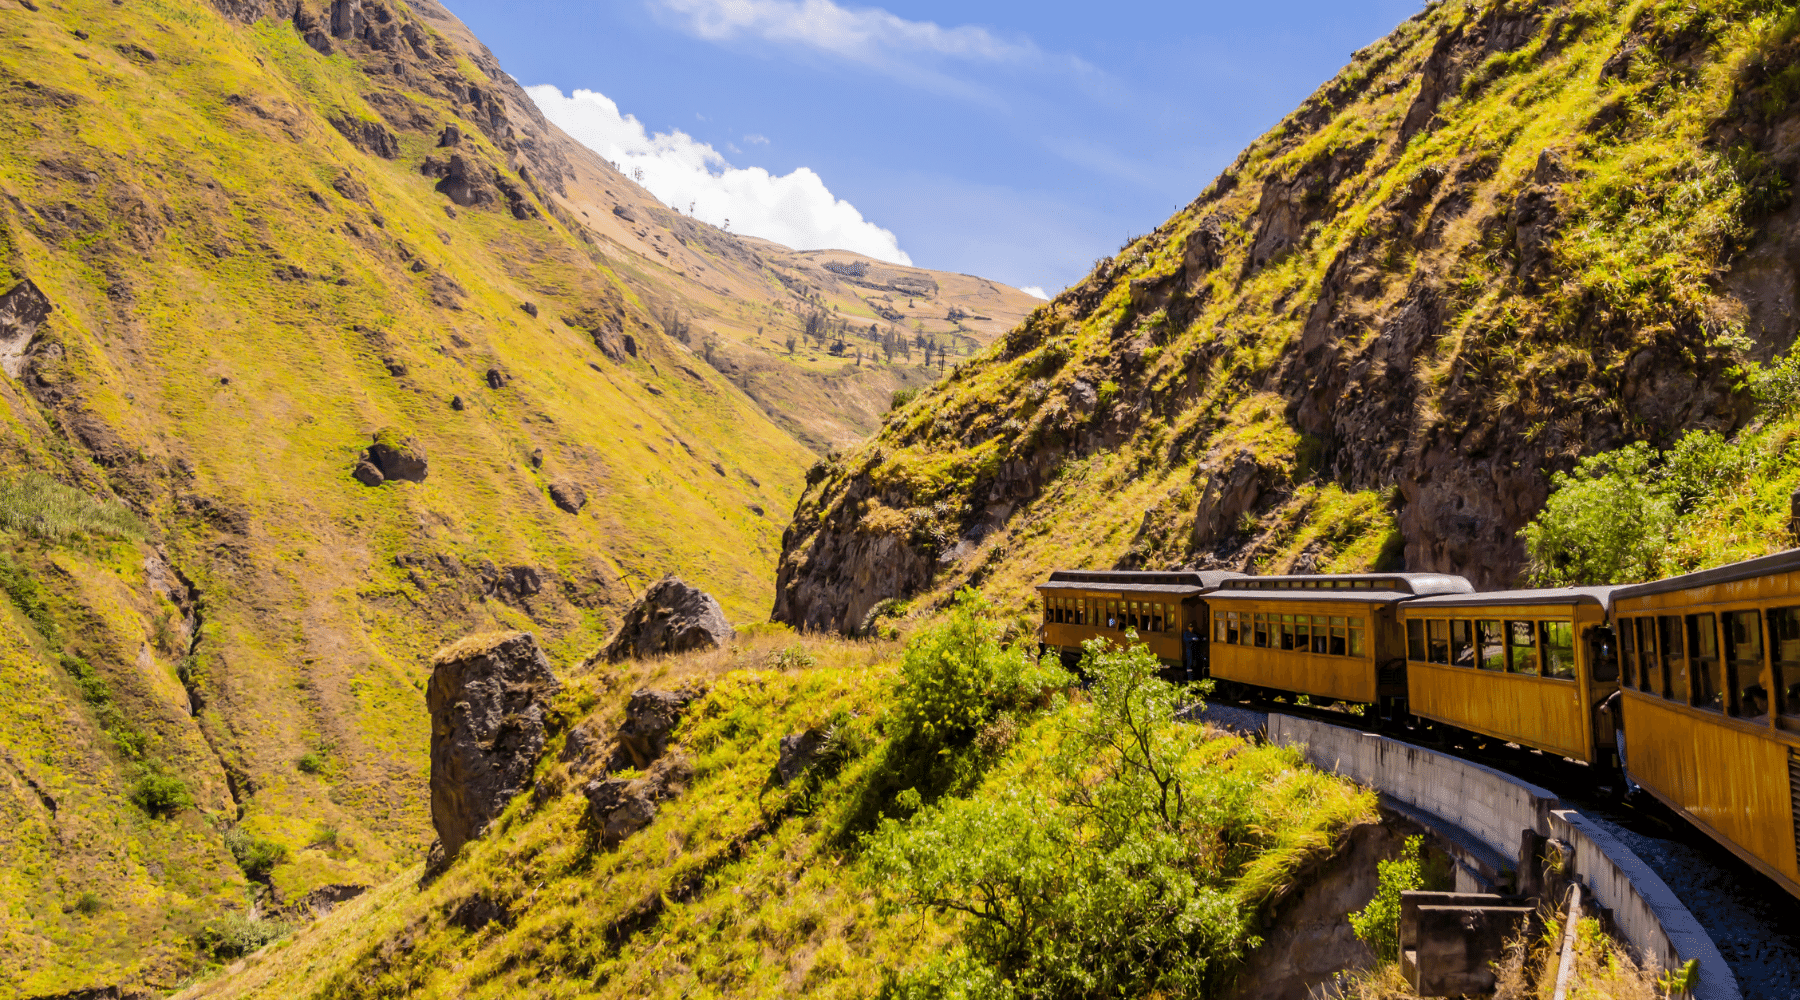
x=1603 y=653
x=1558 y=640
x=1671 y=643
x=1628 y=651
x=1521 y=648
x=1156 y=618
x=1784 y=645
x=1287 y=631
x=1218 y=626
x=1356 y=637
x=1462 y=650
x=1339 y=637
x=1703 y=662
x=1262 y=631
x=1437 y=640
x=1303 y=633
x=1321 y=635
x=1415 y=641
x=1490 y=646
x=1112 y=614
x=1232 y=634
x=1650 y=672
x=1744 y=662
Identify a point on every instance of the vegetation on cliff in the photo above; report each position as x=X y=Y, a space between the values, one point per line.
x=1512 y=234
x=1038 y=852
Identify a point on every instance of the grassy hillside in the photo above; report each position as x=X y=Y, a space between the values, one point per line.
x=253 y=274
x=999 y=795
x=1506 y=236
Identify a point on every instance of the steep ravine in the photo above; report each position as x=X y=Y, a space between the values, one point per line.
x=1508 y=235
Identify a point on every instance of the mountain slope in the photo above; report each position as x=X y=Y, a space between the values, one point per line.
x=1508 y=235
x=239 y=246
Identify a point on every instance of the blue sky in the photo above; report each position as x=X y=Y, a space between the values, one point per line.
x=1014 y=141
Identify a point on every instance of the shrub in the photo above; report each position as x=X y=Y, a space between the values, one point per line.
x=257 y=856
x=794 y=657
x=1602 y=524
x=903 y=397
x=89 y=903
x=159 y=791
x=235 y=935
x=1378 y=924
x=29 y=598
x=311 y=762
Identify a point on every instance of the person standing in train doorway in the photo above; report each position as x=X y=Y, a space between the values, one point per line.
x=1191 y=655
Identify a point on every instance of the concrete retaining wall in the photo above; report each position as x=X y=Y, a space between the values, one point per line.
x=1494 y=809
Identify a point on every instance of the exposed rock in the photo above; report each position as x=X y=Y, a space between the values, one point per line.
x=568 y=496
x=398 y=456
x=537 y=458
x=456 y=402
x=618 y=808
x=798 y=751
x=366 y=472
x=464 y=184
x=313 y=31
x=625 y=212
x=650 y=717
x=1229 y=493
x=21 y=311
x=671 y=617
x=530 y=308
x=473 y=912
x=495 y=380
x=326 y=898
x=244 y=11
x=489 y=704
x=368 y=136
x=451 y=136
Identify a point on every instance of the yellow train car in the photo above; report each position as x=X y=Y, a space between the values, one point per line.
x=1326 y=636
x=1530 y=667
x=1166 y=609
x=1711 y=703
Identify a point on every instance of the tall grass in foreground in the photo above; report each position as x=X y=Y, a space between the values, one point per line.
x=40 y=506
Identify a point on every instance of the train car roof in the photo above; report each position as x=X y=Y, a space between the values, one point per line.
x=1403 y=584
x=1602 y=596
x=1313 y=596
x=1780 y=562
x=1177 y=581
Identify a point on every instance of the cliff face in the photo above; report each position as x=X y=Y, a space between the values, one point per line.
x=1505 y=236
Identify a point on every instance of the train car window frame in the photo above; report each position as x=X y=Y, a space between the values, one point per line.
x=1745 y=656
x=1627 y=653
x=1321 y=635
x=1437 y=641
x=1522 y=651
x=1704 y=666
x=1462 y=645
x=1556 y=661
x=1490 y=645
x=1356 y=636
x=1784 y=670
x=1232 y=629
x=1340 y=637
x=1650 y=667
x=1218 y=626
x=1415 y=640
x=1671 y=631
x=1287 y=633
x=1260 y=629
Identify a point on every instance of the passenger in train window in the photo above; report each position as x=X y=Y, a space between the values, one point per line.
x=1321 y=635
x=1262 y=631
x=1603 y=653
x=1628 y=652
x=1671 y=642
x=1784 y=645
x=1703 y=662
x=1356 y=637
x=1415 y=640
x=1462 y=649
x=1490 y=643
x=1437 y=641
x=1112 y=614
x=1521 y=648
x=1744 y=663
x=1558 y=644
x=1340 y=645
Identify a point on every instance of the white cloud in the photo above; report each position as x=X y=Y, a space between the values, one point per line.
x=863 y=34
x=795 y=209
x=1036 y=292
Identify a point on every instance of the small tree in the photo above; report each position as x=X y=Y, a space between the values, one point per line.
x=1378 y=924
x=1607 y=522
x=790 y=343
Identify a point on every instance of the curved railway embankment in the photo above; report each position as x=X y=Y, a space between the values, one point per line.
x=1483 y=816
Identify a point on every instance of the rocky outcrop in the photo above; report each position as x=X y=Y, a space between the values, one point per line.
x=671 y=617
x=22 y=309
x=490 y=717
x=798 y=751
x=650 y=721
x=568 y=496
x=620 y=807
x=463 y=182
x=394 y=456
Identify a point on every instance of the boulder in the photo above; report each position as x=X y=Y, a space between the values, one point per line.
x=464 y=183
x=650 y=717
x=489 y=703
x=798 y=751
x=398 y=456
x=326 y=898
x=568 y=496
x=620 y=807
x=671 y=617
x=367 y=473
x=21 y=311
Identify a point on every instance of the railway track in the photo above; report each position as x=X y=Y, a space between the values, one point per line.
x=1753 y=922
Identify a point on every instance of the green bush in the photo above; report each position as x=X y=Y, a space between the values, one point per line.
x=257 y=856
x=22 y=588
x=903 y=397
x=89 y=903
x=158 y=791
x=235 y=935
x=311 y=762
x=1604 y=523
x=1378 y=924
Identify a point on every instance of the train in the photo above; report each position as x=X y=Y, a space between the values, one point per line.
x=1687 y=688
